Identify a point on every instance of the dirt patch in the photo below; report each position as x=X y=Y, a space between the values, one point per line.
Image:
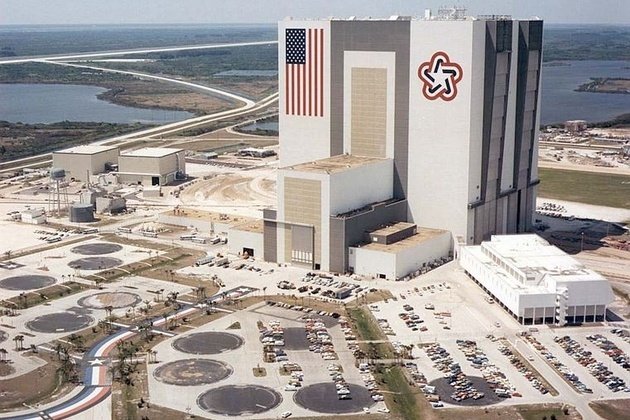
x=231 y=188
x=612 y=409
x=6 y=369
x=17 y=391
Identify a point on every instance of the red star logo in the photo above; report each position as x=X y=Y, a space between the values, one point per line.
x=440 y=77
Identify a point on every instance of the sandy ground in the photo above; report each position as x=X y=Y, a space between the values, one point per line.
x=572 y=166
x=610 y=214
x=254 y=188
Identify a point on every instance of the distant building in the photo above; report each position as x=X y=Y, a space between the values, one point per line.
x=575 y=126
x=537 y=283
x=80 y=162
x=33 y=216
x=152 y=166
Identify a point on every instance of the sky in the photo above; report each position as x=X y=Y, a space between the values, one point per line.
x=27 y=12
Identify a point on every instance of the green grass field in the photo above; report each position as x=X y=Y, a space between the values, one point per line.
x=585 y=187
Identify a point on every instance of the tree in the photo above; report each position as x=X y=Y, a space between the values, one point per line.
x=77 y=341
x=19 y=342
x=3 y=355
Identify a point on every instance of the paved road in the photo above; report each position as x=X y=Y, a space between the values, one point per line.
x=95 y=364
x=131 y=51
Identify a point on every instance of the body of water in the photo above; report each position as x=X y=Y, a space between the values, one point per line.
x=560 y=102
x=261 y=125
x=42 y=103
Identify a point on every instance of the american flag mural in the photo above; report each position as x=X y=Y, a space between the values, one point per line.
x=304 y=72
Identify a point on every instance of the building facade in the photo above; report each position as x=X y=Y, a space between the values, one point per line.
x=537 y=283
x=152 y=166
x=452 y=102
x=81 y=162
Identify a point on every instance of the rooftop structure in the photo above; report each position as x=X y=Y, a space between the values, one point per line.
x=334 y=164
x=536 y=281
x=152 y=152
x=87 y=149
x=421 y=235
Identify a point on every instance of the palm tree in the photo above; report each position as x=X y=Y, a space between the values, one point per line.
x=76 y=340
x=19 y=342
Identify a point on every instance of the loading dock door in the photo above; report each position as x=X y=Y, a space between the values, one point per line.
x=155 y=180
x=249 y=251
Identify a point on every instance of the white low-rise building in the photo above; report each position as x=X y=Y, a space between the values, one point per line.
x=537 y=282
x=152 y=166
x=396 y=251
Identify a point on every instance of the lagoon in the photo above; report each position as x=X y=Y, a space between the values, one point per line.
x=50 y=103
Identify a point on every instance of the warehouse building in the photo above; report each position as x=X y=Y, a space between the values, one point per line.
x=537 y=283
x=399 y=250
x=81 y=162
x=152 y=166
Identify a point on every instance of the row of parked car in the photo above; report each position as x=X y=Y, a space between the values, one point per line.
x=586 y=359
x=305 y=309
x=411 y=319
x=452 y=371
x=495 y=378
x=370 y=383
x=523 y=369
x=611 y=350
x=567 y=374
x=321 y=341
x=272 y=338
x=621 y=333
x=341 y=386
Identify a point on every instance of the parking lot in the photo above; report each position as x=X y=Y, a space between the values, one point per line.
x=273 y=332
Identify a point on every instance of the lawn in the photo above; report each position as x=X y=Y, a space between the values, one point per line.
x=585 y=187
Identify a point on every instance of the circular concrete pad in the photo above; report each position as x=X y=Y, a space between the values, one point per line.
x=210 y=342
x=444 y=390
x=96 y=248
x=114 y=299
x=28 y=282
x=323 y=398
x=95 y=263
x=59 y=322
x=192 y=372
x=239 y=400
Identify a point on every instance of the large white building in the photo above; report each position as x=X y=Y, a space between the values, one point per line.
x=537 y=282
x=453 y=102
x=152 y=166
x=81 y=162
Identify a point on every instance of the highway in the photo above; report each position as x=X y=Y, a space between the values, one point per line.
x=248 y=106
x=129 y=52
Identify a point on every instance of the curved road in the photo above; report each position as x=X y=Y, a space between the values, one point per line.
x=249 y=106
x=132 y=51
x=96 y=386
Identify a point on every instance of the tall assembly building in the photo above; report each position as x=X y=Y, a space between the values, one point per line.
x=432 y=122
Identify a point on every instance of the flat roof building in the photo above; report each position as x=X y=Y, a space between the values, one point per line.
x=80 y=162
x=398 y=250
x=152 y=166
x=537 y=282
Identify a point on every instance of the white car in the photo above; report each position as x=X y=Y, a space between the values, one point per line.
x=290 y=388
x=383 y=410
x=285 y=414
